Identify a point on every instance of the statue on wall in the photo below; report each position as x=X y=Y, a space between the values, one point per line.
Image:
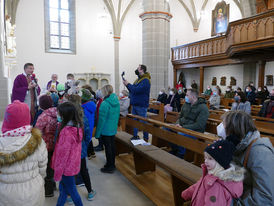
x=10 y=37
x=214 y=81
x=182 y=79
x=223 y=81
x=233 y=81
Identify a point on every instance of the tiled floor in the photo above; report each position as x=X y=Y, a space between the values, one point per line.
x=112 y=189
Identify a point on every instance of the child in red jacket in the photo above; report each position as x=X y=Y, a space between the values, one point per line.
x=221 y=181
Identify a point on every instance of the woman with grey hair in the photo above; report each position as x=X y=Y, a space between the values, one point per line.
x=256 y=154
x=124 y=103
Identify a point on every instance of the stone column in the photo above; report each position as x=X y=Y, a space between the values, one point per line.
x=4 y=99
x=116 y=65
x=202 y=79
x=156 y=42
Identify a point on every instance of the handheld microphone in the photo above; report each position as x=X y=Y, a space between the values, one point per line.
x=33 y=78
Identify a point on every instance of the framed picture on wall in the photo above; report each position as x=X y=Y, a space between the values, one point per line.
x=220 y=18
x=269 y=80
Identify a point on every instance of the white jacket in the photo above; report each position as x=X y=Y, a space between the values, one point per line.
x=23 y=164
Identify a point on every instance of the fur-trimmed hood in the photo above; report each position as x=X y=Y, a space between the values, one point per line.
x=233 y=173
x=15 y=149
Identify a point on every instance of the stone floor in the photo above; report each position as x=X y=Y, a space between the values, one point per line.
x=112 y=189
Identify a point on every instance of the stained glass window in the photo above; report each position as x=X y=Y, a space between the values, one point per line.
x=60 y=24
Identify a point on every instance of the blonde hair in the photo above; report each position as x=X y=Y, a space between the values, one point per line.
x=107 y=90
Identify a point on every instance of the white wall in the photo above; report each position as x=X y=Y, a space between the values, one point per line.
x=269 y=70
x=131 y=42
x=182 y=30
x=227 y=71
x=94 y=41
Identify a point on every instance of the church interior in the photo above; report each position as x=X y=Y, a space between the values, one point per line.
x=224 y=44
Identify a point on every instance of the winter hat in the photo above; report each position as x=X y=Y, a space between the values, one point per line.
x=222 y=151
x=86 y=95
x=55 y=99
x=17 y=115
x=99 y=94
x=45 y=102
x=60 y=87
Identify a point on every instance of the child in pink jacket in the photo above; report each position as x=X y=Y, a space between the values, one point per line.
x=221 y=180
x=66 y=158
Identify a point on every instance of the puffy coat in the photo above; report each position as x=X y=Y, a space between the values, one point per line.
x=139 y=91
x=216 y=190
x=162 y=98
x=259 y=179
x=46 y=123
x=66 y=157
x=86 y=138
x=194 y=116
x=23 y=164
x=89 y=110
x=124 y=105
x=109 y=114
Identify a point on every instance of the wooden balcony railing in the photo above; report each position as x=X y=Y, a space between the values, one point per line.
x=248 y=34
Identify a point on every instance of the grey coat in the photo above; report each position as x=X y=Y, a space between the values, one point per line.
x=214 y=101
x=259 y=178
x=124 y=105
x=241 y=106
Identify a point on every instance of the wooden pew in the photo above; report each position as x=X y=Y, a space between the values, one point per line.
x=183 y=174
x=159 y=107
x=265 y=128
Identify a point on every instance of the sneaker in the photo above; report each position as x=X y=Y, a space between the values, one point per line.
x=91 y=195
x=107 y=170
x=92 y=155
x=98 y=148
x=134 y=138
x=80 y=184
x=69 y=201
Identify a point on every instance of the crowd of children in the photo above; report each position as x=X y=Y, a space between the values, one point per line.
x=55 y=146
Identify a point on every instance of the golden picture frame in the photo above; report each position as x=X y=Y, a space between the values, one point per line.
x=220 y=19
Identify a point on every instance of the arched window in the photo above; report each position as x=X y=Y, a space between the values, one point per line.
x=60 y=26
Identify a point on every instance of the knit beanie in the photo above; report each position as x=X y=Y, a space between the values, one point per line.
x=222 y=151
x=55 y=99
x=17 y=115
x=86 y=95
x=45 y=102
x=60 y=87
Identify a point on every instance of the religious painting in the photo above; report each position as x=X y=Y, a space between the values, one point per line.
x=214 y=81
x=233 y=81
x=220 y=19
x=269 y=80
x=223 y=81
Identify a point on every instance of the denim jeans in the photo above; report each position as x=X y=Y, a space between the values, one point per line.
x=141 y=111
x=181 y=150
x=67 y=187
x=176 y=149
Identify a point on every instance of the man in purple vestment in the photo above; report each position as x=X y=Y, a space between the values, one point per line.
x=26 y=89
x=52 y=84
